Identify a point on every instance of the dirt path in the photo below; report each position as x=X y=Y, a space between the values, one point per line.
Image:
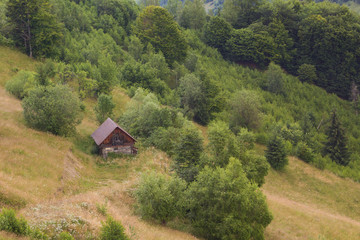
x=9 y=103
x=115 y=197
x=313 y=210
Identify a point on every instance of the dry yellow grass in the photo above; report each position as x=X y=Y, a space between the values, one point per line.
x=308 y=203
x=11 y=61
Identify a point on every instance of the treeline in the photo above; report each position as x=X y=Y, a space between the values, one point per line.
x=316 y=41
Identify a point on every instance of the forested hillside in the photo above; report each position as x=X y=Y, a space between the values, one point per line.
x=281 y=74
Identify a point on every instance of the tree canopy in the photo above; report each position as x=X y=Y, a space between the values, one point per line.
x=36 y=29
x=155 y=25
x=52 y=109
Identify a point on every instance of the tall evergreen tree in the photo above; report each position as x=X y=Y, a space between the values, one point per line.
x=336 y=146
x=276 y=153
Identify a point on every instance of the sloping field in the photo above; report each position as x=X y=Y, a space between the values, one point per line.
x=311 y=204
x=50 y=178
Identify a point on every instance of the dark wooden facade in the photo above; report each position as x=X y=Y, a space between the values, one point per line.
x=110 y=137
x=118 y=141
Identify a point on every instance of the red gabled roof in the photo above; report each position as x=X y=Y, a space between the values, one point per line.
x=104 y=131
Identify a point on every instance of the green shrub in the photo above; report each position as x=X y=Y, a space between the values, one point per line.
x=112 y=230
x=38 y=234
x=224 y=204
x=101 y=208
x=304 y=152
x=9 y=223
x=320 y=162
x=52 y=109
x=20 y=84
x=66 y=236
x=247 y=138
x=262 y=138
x=104 y=107
x=276 y=153
x=159 y=197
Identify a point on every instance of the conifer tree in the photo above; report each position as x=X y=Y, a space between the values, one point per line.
x=336 y=146
x=276 y=153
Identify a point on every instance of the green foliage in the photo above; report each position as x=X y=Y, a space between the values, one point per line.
x=44 y=72
x=108 y=72
x=275 y=82
x=86 y=86
x=241 y=13
x=5 y=26
x=216 y=33
x=165 y=139
x=246 y=138
x=66 y=236
x=276 y=153
x=102 y=209
x=284 y=52
x=112 y=230
x=145 y=76
x=304 y=152
x=174 y=7
x=123 y=11
x=255 y=167
x=36 y=29
x=144 y=115
x=307 y=73
x=191 y=95
x=155 y=25
x=9 y=223
x=159 y=197
x=53 y=109
x=21 y=84
x=223 y=204
x=222 y=144
x=135 y=47
x=245 y=110
x=188 y=153
x=336 y=145
x=104 y=108
x=246 y=46
x=193 y=15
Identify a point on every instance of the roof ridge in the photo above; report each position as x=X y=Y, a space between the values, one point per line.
x=103 y=131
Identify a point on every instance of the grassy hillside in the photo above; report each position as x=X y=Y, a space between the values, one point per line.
x=55 y=181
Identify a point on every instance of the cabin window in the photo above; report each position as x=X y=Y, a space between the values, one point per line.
x=117 y=139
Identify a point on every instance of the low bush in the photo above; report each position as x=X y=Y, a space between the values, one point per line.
x=112 y=230
x=10 y=223
x=159 y=197
x=20 y=84
x=304 y=152
x=66 y=236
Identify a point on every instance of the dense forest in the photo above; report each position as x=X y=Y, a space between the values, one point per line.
x=283 y=74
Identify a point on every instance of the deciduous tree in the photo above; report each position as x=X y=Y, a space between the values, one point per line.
x=52 y=109
x=36 y=29
x=155 y=25
x=224 y=204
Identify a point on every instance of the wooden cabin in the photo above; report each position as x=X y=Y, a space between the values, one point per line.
x=110 y=137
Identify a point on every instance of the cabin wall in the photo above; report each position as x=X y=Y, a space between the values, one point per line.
x=128 y=140
x=127 y=147
x=121 y=149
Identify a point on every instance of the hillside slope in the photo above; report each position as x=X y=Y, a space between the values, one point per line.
x=53 y=181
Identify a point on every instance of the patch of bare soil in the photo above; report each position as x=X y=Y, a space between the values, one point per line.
x=9 y=103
